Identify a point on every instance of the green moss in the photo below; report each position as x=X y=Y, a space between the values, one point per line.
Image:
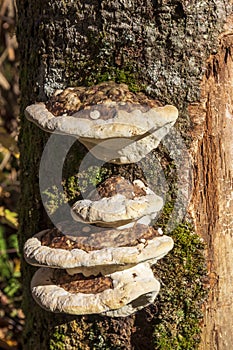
x=73 y=187
x=100 y=65
x=57 y=341
x=97 y=338
x=83 y=182
x=53 y=199
x=181 y=273
x=125 y=75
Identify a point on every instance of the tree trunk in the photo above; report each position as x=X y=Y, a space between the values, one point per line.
x=213 y=192
x=170 y=49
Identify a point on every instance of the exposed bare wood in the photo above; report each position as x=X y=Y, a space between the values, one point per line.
x=212 y=204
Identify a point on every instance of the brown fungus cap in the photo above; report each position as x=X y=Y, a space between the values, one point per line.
x=92 y=250
x=100 y=114
x=94 y=238
x=74 y=99
x=121 y=293
x=118 y=185
x=78 y=283
x=120 y=208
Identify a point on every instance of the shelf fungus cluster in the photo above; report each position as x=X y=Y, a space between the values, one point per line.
x=100 y=262
x=115 y=124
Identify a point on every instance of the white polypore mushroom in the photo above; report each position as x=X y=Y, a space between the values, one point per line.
x=121 y=149
x=99 y=251
x=120 y=127
x=117 y=294
x=118 y=209
x=136 y=122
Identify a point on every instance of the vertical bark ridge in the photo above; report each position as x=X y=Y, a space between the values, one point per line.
x=213 y=196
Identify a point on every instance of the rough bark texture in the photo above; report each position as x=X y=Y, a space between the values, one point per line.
x=161 y=47
x=212 y=201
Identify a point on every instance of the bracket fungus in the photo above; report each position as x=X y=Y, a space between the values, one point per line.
x=100 y=262
x=92 y=250
x=115 y=124
x=117 y=294
x=119 y=202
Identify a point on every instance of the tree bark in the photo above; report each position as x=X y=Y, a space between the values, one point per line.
x=171 y=50
x=213 y=192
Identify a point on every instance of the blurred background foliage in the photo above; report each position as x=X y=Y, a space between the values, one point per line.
x=11 y=316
